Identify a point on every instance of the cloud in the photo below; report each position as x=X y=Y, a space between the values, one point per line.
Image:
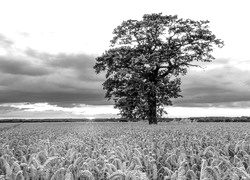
x=61 y=78
x=24 y=34
x=185 y=112
x=22 y=66
x=222 y=84
x=248 y=82
x=5 y=42
x=81 y=63
x=7 y=109
x=46 y=110
x=68 y=79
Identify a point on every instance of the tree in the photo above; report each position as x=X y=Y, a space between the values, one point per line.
x=146 y=59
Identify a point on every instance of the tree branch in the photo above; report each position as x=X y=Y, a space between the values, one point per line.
x=194 y=65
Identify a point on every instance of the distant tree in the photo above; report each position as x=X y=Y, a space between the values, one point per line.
x=146 y=58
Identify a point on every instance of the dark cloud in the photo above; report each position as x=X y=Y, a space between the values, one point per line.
x=62 y=99
x=248 y=82
x=68 y=80
x=21 y=66
x=36 y=54
x=63 y=79
x=80 y=64
x=218 y=86
x=63 y=60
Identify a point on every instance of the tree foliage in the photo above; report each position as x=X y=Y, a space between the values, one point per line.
x=146 y=58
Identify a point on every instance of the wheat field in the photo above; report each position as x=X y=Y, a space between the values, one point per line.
x=125 y=151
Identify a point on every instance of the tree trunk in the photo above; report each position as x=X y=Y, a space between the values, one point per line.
x=152 y=99
x=152 y=111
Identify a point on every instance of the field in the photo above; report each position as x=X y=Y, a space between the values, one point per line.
x=125 y=151
x=6 y=126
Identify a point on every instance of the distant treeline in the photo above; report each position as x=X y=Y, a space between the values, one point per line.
x=222 y=119
x=191 y=119
x=42 y=120
x=59 y=120
x=207 y=119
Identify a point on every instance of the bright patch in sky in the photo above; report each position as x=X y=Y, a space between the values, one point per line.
x=184 y=112
x=88 y=111
x=78 y=110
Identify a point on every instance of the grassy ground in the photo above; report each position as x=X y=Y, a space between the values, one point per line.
x=119 y=150
x=6 y=126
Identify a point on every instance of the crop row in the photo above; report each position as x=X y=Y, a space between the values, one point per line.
x=125 y=151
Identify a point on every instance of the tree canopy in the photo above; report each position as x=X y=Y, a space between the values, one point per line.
x=147 y=57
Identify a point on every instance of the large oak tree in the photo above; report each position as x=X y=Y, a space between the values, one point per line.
x=147 y=57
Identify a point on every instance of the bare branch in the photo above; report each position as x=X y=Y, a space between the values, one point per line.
x=195 y=65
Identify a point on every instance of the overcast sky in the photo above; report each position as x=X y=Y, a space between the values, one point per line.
x=48 y=49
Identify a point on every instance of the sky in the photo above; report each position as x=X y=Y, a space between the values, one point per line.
x=48 y=50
